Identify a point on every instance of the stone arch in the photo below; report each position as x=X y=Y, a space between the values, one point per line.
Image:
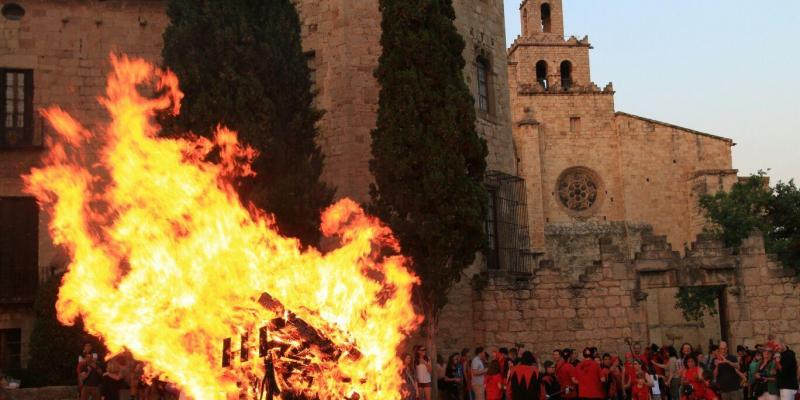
x=566 y=74
x=541 y=73
x=546 y=20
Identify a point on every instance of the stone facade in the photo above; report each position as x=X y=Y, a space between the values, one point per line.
x=613 y=221
x=605 y=225
x=342 y=38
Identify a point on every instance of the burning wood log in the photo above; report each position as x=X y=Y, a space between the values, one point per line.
x=293 y=351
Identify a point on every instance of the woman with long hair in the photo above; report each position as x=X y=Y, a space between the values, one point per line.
x=452 y=377
x=767 y=373
x=409 y=389
x=423 y=367
x=692 y=377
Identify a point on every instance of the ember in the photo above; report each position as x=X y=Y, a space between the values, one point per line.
x=149 y=226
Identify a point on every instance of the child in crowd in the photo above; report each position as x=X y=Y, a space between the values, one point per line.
x=640 y=390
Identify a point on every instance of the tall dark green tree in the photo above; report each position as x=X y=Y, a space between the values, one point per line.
x=428 y=160
x=241 y=65
x=54 y=348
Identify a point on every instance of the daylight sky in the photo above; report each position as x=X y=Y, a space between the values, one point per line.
x=726 y=67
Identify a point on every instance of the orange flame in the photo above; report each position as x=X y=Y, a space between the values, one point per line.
x=167 y=262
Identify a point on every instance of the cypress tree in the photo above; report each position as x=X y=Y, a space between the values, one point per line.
x=54 y=348
x=240 y=64
x=428 y=160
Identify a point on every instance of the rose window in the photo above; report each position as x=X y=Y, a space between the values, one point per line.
x=578 y=189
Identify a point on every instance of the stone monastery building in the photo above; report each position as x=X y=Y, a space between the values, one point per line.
x=594 y=221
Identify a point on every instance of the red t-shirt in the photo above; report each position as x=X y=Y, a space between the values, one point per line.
x=630 y=372
x=698 y=387
x=564 y=373
x=589 y=385
x=494 y=390
x=640 y=392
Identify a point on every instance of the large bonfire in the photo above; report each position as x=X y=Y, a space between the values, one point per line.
x=167 y=263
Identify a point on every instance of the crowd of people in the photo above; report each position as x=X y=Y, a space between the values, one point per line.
x=122 y=378
x=768 y=372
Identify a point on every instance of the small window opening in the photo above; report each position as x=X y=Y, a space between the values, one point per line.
x=566 y=74
x=483 y=85
x=546 y=26
x=541 y=73
x=575 y=124
x=13 y=11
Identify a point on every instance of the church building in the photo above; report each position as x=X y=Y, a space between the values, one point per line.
x=594 y=222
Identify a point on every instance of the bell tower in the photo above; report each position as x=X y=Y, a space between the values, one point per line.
x=564 y=125
x=542 y=16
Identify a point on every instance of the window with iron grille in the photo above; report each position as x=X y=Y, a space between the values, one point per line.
x=507 y=224
x=19 y=247
x=10 y=349
x=16 y=108
x=483 y=85
x=492 y=261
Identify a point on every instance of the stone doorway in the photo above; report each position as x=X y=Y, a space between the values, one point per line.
x=667 y=326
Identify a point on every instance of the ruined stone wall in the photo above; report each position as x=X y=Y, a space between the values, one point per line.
x=591 y=292
x=659 y=163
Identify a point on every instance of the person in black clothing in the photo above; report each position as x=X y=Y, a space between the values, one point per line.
x=91 y=377
x=112 y=383
x=524 y=379
x=726 y=373
x=549 y=382
x=452 y=381
x=787 y=376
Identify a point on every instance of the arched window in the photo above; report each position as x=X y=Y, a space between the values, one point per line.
x=566 y=74
x=545 y=18
x=541 y=73
x=483 y=84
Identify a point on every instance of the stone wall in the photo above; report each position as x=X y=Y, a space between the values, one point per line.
x=344 y=38
x=661 y=164
x=43 y=393
x=67 y=45
x=592 y=290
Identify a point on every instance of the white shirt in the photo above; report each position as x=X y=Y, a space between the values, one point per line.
x=477 y=365
x=423 y=376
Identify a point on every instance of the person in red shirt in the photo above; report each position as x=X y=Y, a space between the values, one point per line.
x=588 y=373
x=693 y=376
x=640 y=390
x=629 y=374
x=494 y=382
x=565 y=374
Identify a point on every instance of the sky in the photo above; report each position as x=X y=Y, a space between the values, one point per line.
x=726 y=67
